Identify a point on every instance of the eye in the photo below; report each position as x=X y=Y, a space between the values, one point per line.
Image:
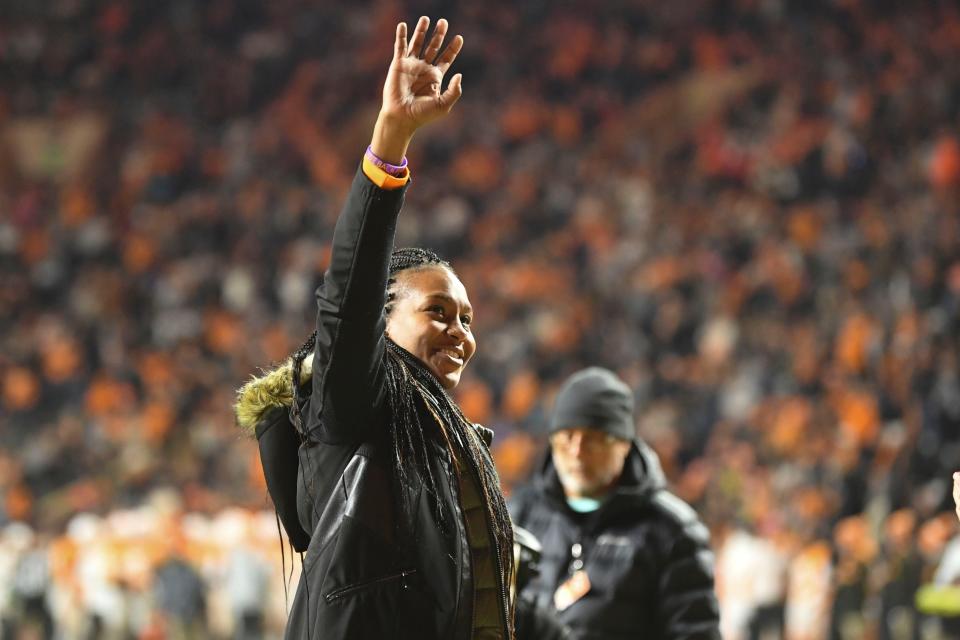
x=436 y=308
x=466 y=320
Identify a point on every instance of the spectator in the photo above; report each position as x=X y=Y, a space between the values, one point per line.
x=622 y=556
x=180 y=595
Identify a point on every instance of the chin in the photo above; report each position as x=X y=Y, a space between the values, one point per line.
x=448 y=378
x=575 y=484
x=450 y=381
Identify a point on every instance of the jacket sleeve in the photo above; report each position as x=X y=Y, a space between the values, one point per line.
x=348 y=366
x=688 y=603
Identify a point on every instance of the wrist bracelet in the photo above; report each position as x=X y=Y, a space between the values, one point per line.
x=396 y=170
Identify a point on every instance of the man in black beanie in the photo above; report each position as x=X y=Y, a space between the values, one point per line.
x=622 y=557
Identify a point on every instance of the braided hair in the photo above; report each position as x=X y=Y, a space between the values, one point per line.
x=408 y=383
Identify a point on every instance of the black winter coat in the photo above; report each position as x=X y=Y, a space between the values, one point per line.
x=645 y=551
x=369 y=571
x=534 y=623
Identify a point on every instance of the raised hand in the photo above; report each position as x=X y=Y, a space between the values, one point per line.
x=411 y=93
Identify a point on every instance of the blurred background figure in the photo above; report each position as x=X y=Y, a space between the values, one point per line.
x=180 y=596
x=855 y=550
x=246 y=578
x=768 y=237
x=621 y=555
x=754 y=589
x=900 y=576
x=27 y=610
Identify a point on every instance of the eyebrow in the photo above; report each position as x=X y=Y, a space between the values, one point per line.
x=451 y=300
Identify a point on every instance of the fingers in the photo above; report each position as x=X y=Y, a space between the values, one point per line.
x=419 y=35
x=433 y=53
x=449 y=54
x=454 y=90
x=400 y=44
x=439 y=33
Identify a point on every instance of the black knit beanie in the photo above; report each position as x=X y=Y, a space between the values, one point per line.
x=595 y=398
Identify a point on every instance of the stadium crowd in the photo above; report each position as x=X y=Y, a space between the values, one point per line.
x=749 y=209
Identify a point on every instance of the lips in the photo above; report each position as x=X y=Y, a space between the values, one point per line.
x=451 y=355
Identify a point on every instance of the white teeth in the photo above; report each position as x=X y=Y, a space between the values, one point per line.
x=454 y=355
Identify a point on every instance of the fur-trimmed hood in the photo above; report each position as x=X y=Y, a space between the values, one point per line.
x=273 y=388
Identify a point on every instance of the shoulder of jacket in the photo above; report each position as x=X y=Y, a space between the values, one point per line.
x=681 y=515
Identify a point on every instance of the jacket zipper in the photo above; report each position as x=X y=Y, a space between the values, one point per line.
x=345 y=591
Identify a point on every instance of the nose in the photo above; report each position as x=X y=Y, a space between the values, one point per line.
x=457 y=330
x=576 y=444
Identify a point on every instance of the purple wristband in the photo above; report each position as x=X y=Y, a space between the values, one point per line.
x=396 y=170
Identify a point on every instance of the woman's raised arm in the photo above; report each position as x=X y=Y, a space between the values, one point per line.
x=348 y=367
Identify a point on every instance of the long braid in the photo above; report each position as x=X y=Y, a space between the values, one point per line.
x=452 y=422
x=298 y=357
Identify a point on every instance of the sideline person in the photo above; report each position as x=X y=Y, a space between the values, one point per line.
x=621 y=556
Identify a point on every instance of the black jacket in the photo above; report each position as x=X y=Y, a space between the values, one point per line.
x=535 y=623
x=370 y=571
x=645 y=551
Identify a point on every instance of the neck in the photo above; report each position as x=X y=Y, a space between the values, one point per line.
x=599 y=493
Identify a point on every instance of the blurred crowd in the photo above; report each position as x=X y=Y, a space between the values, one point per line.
x=151 y=572
x=750 y=209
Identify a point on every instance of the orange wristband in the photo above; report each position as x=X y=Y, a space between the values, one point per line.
x=383 y=179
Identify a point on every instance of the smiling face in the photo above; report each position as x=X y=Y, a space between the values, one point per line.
x=430 y=317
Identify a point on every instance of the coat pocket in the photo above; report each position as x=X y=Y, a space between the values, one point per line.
x=365 y=585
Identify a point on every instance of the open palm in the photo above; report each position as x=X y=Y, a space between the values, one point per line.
x=411 y=93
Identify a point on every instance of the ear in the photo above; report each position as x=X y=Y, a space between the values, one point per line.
x=387 y=323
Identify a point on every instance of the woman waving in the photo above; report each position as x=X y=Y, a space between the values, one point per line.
x=396 y=491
